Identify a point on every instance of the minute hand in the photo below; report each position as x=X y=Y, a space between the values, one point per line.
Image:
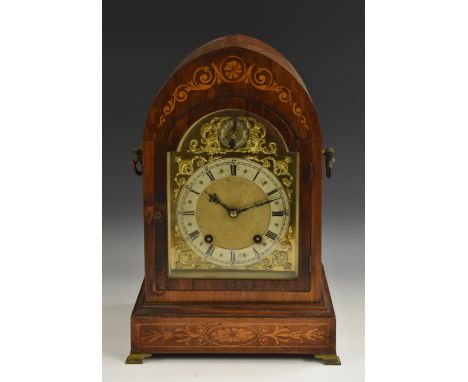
x=256 y=205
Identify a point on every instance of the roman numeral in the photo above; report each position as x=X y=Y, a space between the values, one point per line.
x=271 y=235
x=257 y=255
x=233 y=257
x=255 y=177
x=194 y=234
x=195 y=192
x=233 y=169
x=272 y=192
x=277 y=213
x=210 y=250
x=210 y=175
x=191 y=213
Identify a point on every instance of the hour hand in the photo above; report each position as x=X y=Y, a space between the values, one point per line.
x=215 y=199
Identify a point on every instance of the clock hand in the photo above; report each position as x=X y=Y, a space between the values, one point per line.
x=256 y=205
x=232 y=211
x=214 y=198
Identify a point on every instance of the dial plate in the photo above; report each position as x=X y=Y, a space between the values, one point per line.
x=232 y=200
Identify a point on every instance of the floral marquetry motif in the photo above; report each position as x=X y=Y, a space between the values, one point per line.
x=233 y=335
x=233 y=69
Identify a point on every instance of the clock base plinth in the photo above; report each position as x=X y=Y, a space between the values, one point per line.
x=234 y=328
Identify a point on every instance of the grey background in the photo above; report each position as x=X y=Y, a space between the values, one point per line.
x=143 y=41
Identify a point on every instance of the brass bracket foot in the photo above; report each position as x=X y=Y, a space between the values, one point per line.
x=329 y=359
x=137 y=358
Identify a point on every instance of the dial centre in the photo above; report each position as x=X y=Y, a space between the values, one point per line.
x=232 y=230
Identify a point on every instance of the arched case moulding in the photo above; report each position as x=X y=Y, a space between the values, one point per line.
x=232 y=162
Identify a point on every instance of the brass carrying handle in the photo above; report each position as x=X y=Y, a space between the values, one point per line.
x=137 y=163
x=329 y=154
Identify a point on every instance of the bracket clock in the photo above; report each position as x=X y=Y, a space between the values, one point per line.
x=232 y=162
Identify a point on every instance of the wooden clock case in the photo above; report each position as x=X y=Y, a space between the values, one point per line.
x=215 y=316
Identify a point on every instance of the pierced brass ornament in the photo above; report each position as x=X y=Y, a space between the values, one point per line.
x=209 y=143
x=211 y=132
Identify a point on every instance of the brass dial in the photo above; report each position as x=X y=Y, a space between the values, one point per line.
x=233 y=212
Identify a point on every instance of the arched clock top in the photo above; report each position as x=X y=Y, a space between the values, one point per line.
x=234 y=66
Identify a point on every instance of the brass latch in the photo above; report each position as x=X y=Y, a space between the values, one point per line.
x=137 y=163
x=329 y=154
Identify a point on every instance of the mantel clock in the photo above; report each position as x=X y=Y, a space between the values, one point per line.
x=232 y=163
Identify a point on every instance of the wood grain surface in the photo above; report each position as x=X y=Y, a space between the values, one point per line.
x=216 y=316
